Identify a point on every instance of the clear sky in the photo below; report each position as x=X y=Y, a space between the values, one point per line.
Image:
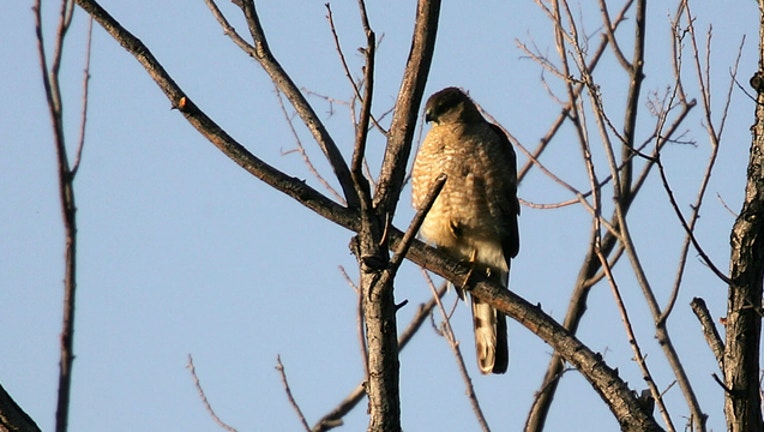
x=182 y=252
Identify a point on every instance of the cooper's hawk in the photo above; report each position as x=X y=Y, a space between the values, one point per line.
x=474 y=218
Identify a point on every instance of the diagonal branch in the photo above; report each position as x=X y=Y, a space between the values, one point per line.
x=12 y=417
x=621 y=400
x=290 y=186
x=401 y=131
x=288 y=390
x=203 y=396
x=272 y=67
x=710 y=332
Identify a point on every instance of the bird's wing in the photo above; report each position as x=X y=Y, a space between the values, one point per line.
x=510 y=208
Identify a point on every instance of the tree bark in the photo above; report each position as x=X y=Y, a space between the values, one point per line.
x=742 y=403
x=12 y=417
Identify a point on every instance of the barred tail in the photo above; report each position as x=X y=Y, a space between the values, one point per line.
x=490 y=337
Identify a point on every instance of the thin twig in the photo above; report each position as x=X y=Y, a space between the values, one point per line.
x=638 y=356
x=345 y=67
x=563 y=115
x=361 y=183
x=85 y=88
x=347 y=278
x=301 y=149
x=359 y=321
x=611 y=36
x=203 y=397
x=288 y=391
x=724 y=204
x=698 y=248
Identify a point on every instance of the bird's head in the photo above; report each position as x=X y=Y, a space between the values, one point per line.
x=450 y=105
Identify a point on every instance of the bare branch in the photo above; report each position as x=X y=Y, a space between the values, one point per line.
x=360 y=182
x=345 y=67
x=203 y=397
x=710 y=332
x=291 y=186
x=85 y=88
x=638 y=356
x=301 y=149
x=269 y=63
x=416 y=223
x=229 y=31
x=401 y=132
x=609 y=30
x=282 y=372
x=66 y=199
x=688 y=229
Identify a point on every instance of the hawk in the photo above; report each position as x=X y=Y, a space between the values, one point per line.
x=474 y=219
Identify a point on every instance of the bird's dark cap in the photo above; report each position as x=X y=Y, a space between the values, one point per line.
x=443 y=101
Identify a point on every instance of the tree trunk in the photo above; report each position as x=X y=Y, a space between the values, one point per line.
x=742 y=404
x=381 y=328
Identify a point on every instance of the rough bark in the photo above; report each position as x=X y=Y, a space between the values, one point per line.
x=12 y=417
x=742 y=403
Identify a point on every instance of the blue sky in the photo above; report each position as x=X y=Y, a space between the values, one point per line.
x=181 y=252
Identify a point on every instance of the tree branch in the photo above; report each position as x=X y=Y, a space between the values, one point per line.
x=710 y=332
x=288 y=390
x=66 y=195
x=290 y=186
x=197 y=383
x=12 y=417
x=262 y=53
x=401 y=132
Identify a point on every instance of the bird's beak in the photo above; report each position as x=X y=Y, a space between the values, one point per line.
x=428 y=117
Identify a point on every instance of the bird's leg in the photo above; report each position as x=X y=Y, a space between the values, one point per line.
x=470 y=269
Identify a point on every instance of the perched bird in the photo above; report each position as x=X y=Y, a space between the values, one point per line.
x=474 y=218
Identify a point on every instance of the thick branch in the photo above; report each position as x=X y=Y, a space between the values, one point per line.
x=290 y=186
x=407 y=106
x=621 y=400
